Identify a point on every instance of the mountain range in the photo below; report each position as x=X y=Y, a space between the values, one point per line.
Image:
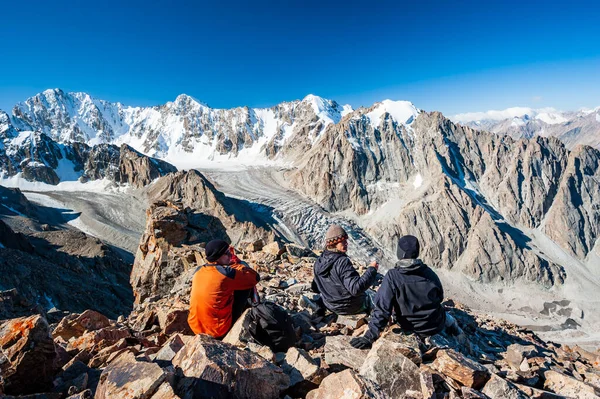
x=498 y=201
x=572 y=128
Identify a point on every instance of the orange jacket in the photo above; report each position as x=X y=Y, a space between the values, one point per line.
x=211 y=299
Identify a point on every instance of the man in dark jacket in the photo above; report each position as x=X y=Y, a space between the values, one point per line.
x=342 y=289
x=413 y=291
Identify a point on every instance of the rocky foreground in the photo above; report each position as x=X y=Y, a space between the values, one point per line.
x=151 y=353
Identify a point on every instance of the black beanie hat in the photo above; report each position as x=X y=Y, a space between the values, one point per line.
x=215 y=249
x=408 y=247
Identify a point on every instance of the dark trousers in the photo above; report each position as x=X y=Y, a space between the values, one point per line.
x=240 y=303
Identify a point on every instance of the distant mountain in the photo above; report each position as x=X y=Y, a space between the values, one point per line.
x=183 y=132
x=492 y=207
x=37 y=157
x=573 y=128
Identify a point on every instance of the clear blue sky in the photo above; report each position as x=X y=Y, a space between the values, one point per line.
x=452 y=56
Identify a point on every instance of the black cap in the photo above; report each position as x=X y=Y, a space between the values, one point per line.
x=215 y=249
x=408 y=247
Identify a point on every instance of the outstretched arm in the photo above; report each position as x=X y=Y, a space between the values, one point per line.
x=355 y=283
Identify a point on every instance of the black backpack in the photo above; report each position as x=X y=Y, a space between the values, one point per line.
x=270 y=325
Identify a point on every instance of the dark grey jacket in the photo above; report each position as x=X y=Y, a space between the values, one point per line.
x=415 y=294
x=341 y=287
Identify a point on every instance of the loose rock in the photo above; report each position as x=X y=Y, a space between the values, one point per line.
x=346 y=384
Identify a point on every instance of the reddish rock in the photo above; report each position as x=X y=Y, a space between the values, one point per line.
x=176 y=322
x=104 y=354
x=108 y=336
x=461 y=369
x=75 y=325
x=26 y=350
x=274 y=248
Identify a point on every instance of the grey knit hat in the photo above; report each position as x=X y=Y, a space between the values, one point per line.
x=335 y=234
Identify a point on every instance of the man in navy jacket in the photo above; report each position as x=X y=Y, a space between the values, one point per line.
x=413 y=291
x=342 y=289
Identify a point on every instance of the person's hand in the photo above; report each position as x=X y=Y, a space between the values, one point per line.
x=374 y=264
x=361 y=343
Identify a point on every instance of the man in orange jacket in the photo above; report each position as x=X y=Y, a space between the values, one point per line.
x=220 y=291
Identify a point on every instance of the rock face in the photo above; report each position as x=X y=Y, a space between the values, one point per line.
x=160 y=258
x=217 y=369
x=241 y=221
x=576 y=204
x=138 y=169
x=472 y=196
x=26 y=350
x=65 y=269
x=476 y=198
x=170 y=246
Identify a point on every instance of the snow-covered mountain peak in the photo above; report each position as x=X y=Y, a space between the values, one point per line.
x=6 y=128
x=402 y=112
x=327 y=110
x=187 y=100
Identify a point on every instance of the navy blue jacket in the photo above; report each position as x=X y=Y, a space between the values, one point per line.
x=415 y=294
x=341 y=287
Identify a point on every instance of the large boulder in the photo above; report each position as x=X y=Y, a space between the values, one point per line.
x=396 y=374
x=218 y=369
x=127 y=378
x=161 y=257
x=339 y=351
x=346 y=384
x=26 y=350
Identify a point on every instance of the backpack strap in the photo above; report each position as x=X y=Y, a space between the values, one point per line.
x=250 y=324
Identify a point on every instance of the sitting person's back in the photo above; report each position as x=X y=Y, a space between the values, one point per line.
x=413 y=291
x=342 y=289
x=419 y=295
x=220 y=291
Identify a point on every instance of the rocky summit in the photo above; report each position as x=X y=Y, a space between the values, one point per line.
x=151 y=353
